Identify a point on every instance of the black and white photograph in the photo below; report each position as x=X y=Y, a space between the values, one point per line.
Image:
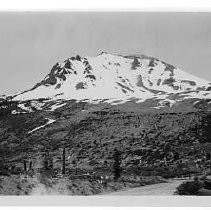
x=96 y=103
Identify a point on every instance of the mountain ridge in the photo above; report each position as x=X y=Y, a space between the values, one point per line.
x=158 y=129
x=117 y=76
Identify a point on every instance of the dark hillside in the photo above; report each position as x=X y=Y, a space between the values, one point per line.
x=145 y=140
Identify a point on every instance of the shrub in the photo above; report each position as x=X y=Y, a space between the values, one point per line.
x=204 y=177
x=207 y=184
x=189 y=188
x=4 y=172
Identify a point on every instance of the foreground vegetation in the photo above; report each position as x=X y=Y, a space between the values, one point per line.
x=45 y=184
x=88 y=141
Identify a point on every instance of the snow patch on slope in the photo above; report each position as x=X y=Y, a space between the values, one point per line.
x=115 y=79
x=56 y=106
x=16 y=112
x=25 y=108
x=50 y=121
x=37 y=105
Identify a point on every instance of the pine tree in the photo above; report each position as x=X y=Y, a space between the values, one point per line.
x=63 y=161
x=48 y=161
x=25 y=166
x=45 y=162
x=116 y=167
x=30 y=165
x=208 y=156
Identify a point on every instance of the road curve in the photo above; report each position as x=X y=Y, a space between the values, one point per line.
x=167 y=188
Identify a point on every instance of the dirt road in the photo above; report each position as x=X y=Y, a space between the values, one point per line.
x=155 y=189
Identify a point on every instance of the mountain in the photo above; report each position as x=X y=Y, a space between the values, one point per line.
x=157 y=115
x=108 y=77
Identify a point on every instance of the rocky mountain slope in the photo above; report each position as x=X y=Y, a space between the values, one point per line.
x=157 y=115
x=110 y=76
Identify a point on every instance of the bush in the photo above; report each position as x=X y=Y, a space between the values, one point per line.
x=207 y=184
x=189 y=188
x=204 y=177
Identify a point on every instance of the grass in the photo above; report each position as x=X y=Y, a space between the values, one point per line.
x=43 y=184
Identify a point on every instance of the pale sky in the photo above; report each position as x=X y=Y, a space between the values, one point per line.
x=31 y=43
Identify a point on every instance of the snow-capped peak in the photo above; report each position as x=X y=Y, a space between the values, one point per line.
x=108 y=76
